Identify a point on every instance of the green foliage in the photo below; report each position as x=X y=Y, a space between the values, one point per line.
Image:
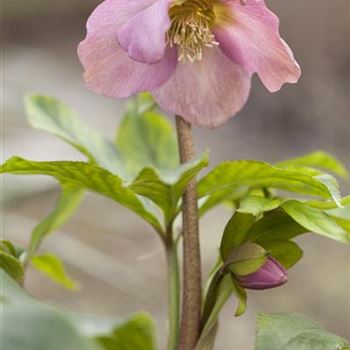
x=145 y=102
x=302 y=176
x=319 y=160
x=328 y=205
x=294 y=332
x=333 y=187
x=166 y=188
x=315 y=220
x=275 y=225
x=9 y=261
x=257 y=205
x=33 y=326
x=85 y=176
x=135 y=333
x=53 y=116
x=67 y=204
x=343 y=223
x=241 y=296
x=246 y=259
x=146 y=139
x=52 y=267
x=222 y=288
x=235 y=232
x=8 y=247
x=288 y=253
x=249 y=173
x=228 y=194
x=211 y=294
x=268 y=221
x=141 y=171
x=146 y=147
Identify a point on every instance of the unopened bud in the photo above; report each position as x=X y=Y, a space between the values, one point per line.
x=246 y=259
x=272 y=274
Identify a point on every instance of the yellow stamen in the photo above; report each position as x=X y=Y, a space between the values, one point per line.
x=190 y=31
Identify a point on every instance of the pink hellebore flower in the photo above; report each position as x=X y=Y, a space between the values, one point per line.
x=195 y=56
x=272 y=274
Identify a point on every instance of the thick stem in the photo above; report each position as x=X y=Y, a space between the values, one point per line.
x=192 y=281
x=173 y=293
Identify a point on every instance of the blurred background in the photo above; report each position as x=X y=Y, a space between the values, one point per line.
x=113 y=254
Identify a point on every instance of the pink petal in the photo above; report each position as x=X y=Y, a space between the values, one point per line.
x=144 y=35
x=207 y=92
x=253 y=41
x=108 y=69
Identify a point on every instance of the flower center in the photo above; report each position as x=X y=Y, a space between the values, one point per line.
x=190 y=30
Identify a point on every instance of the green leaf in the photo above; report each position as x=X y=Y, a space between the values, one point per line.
x=222 y=293
x=251 y=173
x=218 y=197
x=53 y=116
x=343 y=212
x=328 y=205
x=275 y=225
x=33 y=326
x=166 y=188
x=320 y=160
x=145 y=102
x=67 y=204
x=235 y=233
x=246 y=259
x=343 y=223
x=10 y=263
x=207 y=341
x=241 y=295
x=8 y=247
x=287 y=253
x=256 y=205
x=147 y=140
x=135 y=333
x=52 y=267
x=294 y=332
x=333 y=187
x=86 y=176
x=315 y=220
x=212 y=292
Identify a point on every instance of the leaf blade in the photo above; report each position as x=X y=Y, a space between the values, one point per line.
x=315 y=220
x=31 y=325
x=287 y=253
x=256 y=205
x=147 y=139
x=52 y=267
x=294 y=331
x=67 y=204
x=166 y=188
x=318 y=159
x=54 y=116
x=84 y=175
x=255 y=173
x=235 y=232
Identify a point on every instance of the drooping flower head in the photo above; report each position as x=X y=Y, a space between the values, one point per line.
x=195 y=56
x=272 y=274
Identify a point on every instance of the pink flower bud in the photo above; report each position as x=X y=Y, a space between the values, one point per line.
x=272 y=274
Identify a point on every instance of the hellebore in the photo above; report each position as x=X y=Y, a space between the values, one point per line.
x=272 y=274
